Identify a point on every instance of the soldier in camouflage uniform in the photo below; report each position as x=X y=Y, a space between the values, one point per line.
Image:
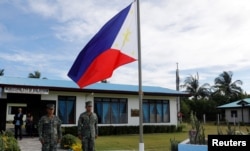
x=49 y=129
x=87 y=128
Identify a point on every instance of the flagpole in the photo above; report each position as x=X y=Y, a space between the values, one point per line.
x=141 y=143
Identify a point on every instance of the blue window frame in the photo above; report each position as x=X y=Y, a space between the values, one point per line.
x=66 y=109
x=111 y=110
x=156 y=111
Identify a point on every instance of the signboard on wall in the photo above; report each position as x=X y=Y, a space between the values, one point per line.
x=135 y=113
x=25 y=90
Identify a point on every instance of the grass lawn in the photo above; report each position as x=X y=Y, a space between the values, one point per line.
x=152 y=142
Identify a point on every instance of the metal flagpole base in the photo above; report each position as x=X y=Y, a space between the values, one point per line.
x=141 y=146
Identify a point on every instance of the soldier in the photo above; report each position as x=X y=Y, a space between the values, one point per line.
x=49 y=129
x=87 y=128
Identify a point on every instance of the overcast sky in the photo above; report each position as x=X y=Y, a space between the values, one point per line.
x=204 y=36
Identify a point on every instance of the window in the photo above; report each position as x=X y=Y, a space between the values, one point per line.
x=14 y=109
x=156 y=111
x=111 y=110
x=66 y=109
x=234 y=113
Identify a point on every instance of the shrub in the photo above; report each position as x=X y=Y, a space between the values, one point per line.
x=8 y=142
x=232 y=131
x=174 y=144
x=120 y=130
x=197 y=133
x=70 y=130
x=71 y=143
x=8 y=133
x=1 y=143
x=67 y=141
x=77 y=146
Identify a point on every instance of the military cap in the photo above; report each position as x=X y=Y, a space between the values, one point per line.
x=50 y=106
x=88 y=103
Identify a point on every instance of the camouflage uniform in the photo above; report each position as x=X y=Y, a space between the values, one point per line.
x=88 y=130
x=49 y=130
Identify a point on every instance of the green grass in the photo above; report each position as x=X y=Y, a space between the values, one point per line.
x=152 y=142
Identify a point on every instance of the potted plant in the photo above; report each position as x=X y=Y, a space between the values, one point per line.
x=196 y=140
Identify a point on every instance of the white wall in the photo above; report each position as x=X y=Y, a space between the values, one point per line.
x=173 y=111
x=246 y=115
x=10 y=117
x=81 y=98
x=133 y=103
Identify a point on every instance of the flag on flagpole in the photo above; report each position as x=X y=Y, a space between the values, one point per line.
x=114 y=45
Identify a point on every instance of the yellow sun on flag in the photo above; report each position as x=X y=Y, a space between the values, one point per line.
x=126 y=36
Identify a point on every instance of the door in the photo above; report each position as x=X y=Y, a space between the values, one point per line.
x=3 y=114
x=30 y=102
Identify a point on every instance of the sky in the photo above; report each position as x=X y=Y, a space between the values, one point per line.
x=204 y=36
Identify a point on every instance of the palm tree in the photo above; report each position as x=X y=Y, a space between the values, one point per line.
x=104 y=81
x=225 y=86
x=191 y=84
x=1 y=72
x=36 y=74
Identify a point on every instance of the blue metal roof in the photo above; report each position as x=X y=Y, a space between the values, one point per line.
x=235 y=104
x=66 y=84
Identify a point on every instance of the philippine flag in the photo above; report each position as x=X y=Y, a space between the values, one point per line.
x=114 y=45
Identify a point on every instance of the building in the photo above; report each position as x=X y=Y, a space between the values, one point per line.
x=238 y=111
x=115 y=104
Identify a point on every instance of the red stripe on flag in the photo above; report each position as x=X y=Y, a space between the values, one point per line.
x=102 y=67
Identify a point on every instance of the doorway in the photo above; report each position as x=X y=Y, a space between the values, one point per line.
x=30 y=103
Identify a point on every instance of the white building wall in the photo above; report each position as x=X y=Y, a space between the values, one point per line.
x=133 y=103
x=173 y=111
x=9 y=116
x=81 y=98
x=246 y=115
x=172 y=108
x=51 y=96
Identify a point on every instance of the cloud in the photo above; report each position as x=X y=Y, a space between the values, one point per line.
x=52 y=65
x=77 y=19
x=6 y=36
x=208 y=37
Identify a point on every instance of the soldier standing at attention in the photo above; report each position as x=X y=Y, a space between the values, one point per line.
x=49 y=129
x=87 y=128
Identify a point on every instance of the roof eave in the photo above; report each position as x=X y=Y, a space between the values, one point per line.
x=99 y=91
x=234 y=107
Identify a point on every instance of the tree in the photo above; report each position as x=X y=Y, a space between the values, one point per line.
x=36 y=74
x=226 y=87
x=104 y=81
x=191 y=84
x=185 y=109
x=1 y=72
